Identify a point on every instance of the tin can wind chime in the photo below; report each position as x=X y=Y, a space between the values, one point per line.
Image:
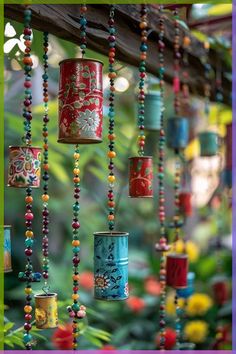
x=7 y=249
x=24 y=171
x=153 y=111
x=141 y=168
x=177 y=139
x=45 y=303
x=80 y=122
x=111 y=247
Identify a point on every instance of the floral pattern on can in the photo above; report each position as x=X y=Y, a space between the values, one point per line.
x=46 y=315
x=24 y=166
x=111 y=265
x=80 y=101
x=7 y=249
x=141 y=177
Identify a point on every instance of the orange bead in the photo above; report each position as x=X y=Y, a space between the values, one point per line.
x=111 y=217
x=27 y=61
x=76 y=155
x=76 y=179
x=45 y=146
x=45 y=84
x=186 y=41
x=75 y=296
x=111 y=204
x=46 y=166
x=143 y=56
x=28 y=199
x=112 y=54
x=111 y=136
x=29 y=233
x=111 y=178
x=75 y=277
x=45 y=99
x=45 y=198
x=45 y=134
x=27 y=43
x=112 y=75
x=27 y=309
x=76 y=171
x=143 y=24
x=206 y=45
x=75 y=243
x=111 y=154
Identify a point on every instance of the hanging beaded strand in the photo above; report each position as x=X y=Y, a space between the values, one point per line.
x=111 y=136
x=162 y=245
x=207 y=87
x=28 y=274
x=76 y=311
x=142 y=75
x=45 y=166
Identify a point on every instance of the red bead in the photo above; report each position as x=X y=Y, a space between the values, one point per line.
x=27 y=326
x=28 y=317
x=76 y=225
x=28 y=251
x=29 y=216
x=75 y=288
x=45 y=275
x=27 y=84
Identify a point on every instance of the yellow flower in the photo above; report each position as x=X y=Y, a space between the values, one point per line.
x=190 y=248
x=170 y=305
x=198 y=304
x=196 y=331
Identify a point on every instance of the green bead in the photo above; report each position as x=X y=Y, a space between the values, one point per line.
x=75 y=307
x=45 y=267
x=76 y=249
x=76 y=207
x=29 y=242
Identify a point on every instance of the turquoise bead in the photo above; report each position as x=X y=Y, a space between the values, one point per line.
x=143 y=47
x=75 y=307
x=76 y=249
x=27 y=338
x=83 y=21
x=29 y=242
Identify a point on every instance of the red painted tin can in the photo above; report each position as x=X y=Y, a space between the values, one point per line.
x=220 y=290
x=80 y=101
x=24 y=166
x=229 y=146
x=140 y=177
x=176 y=270
x=185 y=203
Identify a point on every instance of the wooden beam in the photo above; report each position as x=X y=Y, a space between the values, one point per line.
x=63 y=21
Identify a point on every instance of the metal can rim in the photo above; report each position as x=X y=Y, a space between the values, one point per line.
x=140 y=157
x=111 y=233
x=177 y=255
x=5 y=226
x=24 y=146
x=80 y=60
x=178 y=118
x=44 y=296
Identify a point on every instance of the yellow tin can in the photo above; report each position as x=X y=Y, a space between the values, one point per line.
x=46 y=310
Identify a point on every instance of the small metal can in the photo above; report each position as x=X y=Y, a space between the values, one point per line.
x=46 y=310
x=111 y=265
x=227 y=177
x=177 y=133
x=7 y=249
x=209 y=143
x=80 y=101
x=185 y=203
x=189 y=290
x=229 y=146
x=152 y=116
x=140 y=177
x=176 y=270
x=24 y=166
x=220 y=289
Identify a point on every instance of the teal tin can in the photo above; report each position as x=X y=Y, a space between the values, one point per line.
x=111 y=265
x=152 y=115
x=7 y=249
x=177 y=133
x=209 y=143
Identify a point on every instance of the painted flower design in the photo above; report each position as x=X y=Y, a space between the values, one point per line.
x=40 y=316
x=126 y=290
x=88 y=120
x=102 y=281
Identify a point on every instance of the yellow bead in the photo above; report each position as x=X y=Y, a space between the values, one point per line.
x=141 y=137
x=45 y=197
x=111 y=154
x=76 y=171
x=75 y=243
x=29 y=233
x=76 y=155
x=74 y=345
x=111 y=178
x=76 y=164
x=27 y=309
x=28 y=291
x=75 y=296
x=206 y=45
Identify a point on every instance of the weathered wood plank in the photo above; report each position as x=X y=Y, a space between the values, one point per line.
x=62 y=21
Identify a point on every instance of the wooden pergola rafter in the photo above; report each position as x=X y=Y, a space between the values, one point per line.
x=63 y=21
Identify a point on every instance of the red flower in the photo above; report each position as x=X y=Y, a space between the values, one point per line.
x=136 y=304
x=62 y=337
x=108 y=347
x=86 y=280
x=170 y=339
x=152 y=286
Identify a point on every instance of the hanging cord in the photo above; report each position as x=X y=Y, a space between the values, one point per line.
x=142 y=76
x=177 y=57
x=45 y=167
x=207 y=86
x=27 y=276
x=185 y=86
x=83 y=24
x=111 y=114
x=161 y=195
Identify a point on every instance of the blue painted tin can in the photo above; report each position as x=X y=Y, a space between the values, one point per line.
x=111 y=265
x=152 y=116
x=177 y=133
x=227 y=177
x=7 y=249
x=189 y=290
x=208 y=143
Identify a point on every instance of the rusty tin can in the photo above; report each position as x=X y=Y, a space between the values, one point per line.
x=141 y=177
x=177 y=133
x=176 y=270
x=24 y=166
x=185 y=203
x=80 y=101
x=46 y=310
x=111 y=265
x=228 y=142
x=7 y=249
